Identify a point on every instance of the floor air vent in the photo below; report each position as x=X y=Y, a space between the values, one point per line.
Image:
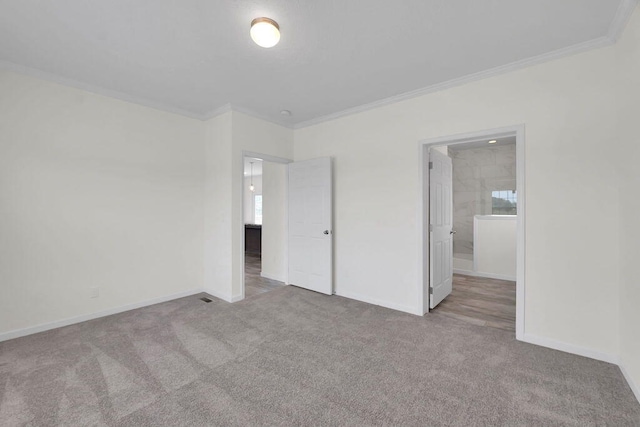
x=205 y=299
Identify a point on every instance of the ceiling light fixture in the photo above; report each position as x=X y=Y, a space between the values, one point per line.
x=493 y=141
x=265 y=32
x=251 y=187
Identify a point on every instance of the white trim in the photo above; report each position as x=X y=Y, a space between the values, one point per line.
x=251 y=113
x=132 y=99
x=617 y=26
x=217 y=112
x=381 y=303
x=423 y=222
x=485 y=275
x=90 y=316
x=272 y=277
x=634 y=387
x=521 y=264
x=273 y=159
x=622 y=16
x=86 y=87
x=571 y=348
x=519 y=131
x=219 y=295
x=503 y=69
x=496 y=217
x=265 y=157
x=585 y=352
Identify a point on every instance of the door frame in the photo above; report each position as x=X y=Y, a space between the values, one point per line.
x=424 y=146
x=273 y=159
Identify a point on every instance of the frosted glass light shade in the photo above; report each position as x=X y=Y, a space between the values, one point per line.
x=265 y=32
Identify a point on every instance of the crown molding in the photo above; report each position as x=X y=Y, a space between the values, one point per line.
x=240 y=109
x=622 y=16
x=76 y=84
x=53 y=78
x=251 y=113
x=503 y=69
x=616 y=28
x=217 y=112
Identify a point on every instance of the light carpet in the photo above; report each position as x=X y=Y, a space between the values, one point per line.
x=294 y=357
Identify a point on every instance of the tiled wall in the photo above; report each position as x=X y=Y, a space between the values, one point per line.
x=476 y=173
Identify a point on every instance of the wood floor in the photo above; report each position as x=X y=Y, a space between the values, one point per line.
x=254 y=284
x=484 y=302
x=477 y=300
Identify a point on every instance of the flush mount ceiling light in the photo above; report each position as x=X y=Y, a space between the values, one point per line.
x=493 y=141
x=265 y=32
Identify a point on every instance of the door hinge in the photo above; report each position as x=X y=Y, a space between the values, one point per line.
x=430 y=227
x=430 y=165
x=430 y=290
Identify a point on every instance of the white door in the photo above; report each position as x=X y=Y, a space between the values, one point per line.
x=310 y=226
x=441 y=226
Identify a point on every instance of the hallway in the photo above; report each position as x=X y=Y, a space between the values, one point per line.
x=254 y=284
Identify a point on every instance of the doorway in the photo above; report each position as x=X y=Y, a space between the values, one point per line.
x=265 y=223
x=473 y=227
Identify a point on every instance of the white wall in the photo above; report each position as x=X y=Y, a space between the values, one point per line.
x=94 y=192
x=477 y=172
x=495 y=246
x=628 y=154
x=98 y=192
x=228 y=136
x=568 y=109
x=249 y=205
x=217 y=207
x=257 y=136
x=274 y=229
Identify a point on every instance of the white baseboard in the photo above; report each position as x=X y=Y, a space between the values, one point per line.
x=272 y=276
x=219 y=295
x=486 y=275
x=83 y=318
x=635 y=388
x=224 y=297
x=570 y=348
x=381 y=303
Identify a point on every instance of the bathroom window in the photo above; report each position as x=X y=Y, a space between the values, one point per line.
x=504 y=202
x=257 y=205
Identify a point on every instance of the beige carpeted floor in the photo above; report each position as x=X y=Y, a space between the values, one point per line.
x=294 y=357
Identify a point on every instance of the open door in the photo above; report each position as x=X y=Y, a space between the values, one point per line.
x=440 y=226
x=310 y=225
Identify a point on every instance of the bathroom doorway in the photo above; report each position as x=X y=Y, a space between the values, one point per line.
x=473 y=217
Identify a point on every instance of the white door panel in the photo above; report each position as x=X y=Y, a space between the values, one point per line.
x=310 y=226
x=441 y=224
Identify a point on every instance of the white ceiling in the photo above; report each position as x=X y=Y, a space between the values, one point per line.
x=195 y=57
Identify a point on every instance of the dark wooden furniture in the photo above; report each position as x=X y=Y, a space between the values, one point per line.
x=253 y=239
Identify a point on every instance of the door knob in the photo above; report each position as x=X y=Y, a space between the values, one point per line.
x=326 y=231
x=452 y=232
